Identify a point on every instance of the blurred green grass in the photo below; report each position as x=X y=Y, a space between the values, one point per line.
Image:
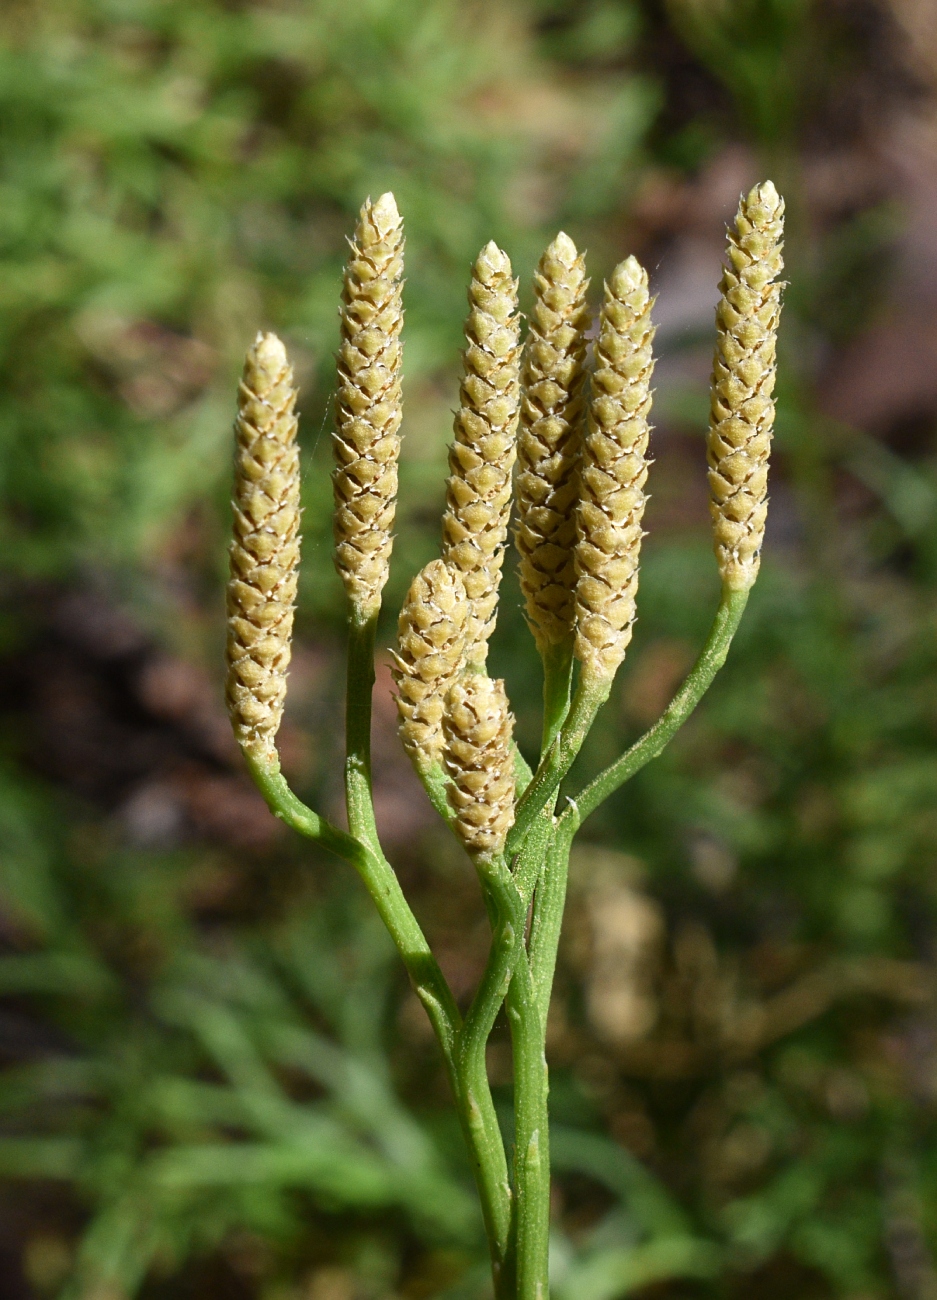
x=223 y=1086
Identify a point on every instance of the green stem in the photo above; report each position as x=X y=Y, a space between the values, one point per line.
x=281 y=801
x=508 y=916
x=656 y=739
x=531 y=1137
x=557 y=683
x=547 y=921
x=468 y=1073
x=538 y=798
x=528 y=1005
x=435 y=782
x=382 y=884
x=539 y=839
x=359 y=689
x=529 y=861
x=481 y=1128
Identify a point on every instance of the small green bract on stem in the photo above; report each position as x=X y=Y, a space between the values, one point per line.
x=583 y=466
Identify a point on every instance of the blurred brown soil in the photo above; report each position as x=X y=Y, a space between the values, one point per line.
x=136 y=733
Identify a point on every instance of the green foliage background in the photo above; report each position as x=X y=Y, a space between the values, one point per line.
x=224 y=1097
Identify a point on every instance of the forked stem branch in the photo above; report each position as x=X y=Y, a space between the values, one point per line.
x=656 y=738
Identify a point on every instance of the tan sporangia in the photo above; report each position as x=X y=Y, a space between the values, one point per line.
x=744 y=367
x=549 y=440
x=479 y=761
x=264 y=553
x=613 y=473
x=429 y=655
x=369 y=404
x=481 y=459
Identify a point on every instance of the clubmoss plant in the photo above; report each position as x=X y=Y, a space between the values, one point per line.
x=581 y=495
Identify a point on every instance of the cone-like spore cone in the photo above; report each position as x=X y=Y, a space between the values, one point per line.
x=430 y=647
x=478 y=492
x=741 y=405
x=479 y=761
x=613 y=474
x=369 y=404
x=265 y=551
x=549 y=441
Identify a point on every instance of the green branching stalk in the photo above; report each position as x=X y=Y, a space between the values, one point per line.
x=436 y=784
x=548 y=906
x=382 y=884
x=531 y=1136
x=557 y=690
x=656 y=739
x=359 y=689
x=538 y=798
x=479 y=761
x=471 y=1091
x=583 y=470
x=509 y=915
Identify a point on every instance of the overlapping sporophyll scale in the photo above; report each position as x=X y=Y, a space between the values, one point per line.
x=549 y=439
x=581 y=495
x=741 y=405
x=429 y=656
x=369 y=404
x=264 y=553
x=481 y=458
x=613 y=473
x=478 y=757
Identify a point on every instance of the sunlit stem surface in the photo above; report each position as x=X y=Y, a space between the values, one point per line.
x=528 y=883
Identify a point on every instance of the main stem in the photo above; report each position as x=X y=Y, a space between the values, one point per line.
x=528 y=1005
x=531 y=1136
x=541 y=867
x=548 y=908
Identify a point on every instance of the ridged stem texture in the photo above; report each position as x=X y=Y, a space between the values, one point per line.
x=481 y=459
x=479 y=761
x=429 y=655
x=369 y=404
x=741 y=405
x=264 y=553
x=549 y=440
x=614 y=473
